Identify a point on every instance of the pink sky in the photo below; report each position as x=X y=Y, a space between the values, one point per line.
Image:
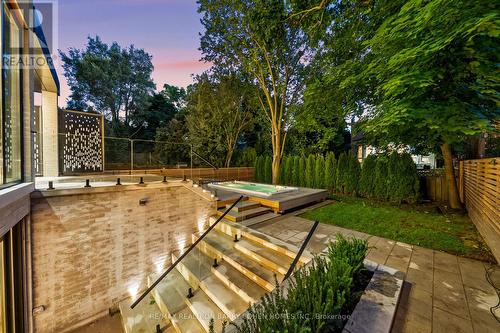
x=166 y=29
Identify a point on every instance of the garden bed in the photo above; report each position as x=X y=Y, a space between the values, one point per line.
x=338 y=291
x=422 y=225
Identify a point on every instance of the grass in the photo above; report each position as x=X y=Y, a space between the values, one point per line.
x=420 y=225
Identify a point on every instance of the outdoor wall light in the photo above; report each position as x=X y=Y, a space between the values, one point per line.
x=143 y=201
x=38 y=309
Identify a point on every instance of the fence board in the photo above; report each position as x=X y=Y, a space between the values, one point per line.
x=481 y=188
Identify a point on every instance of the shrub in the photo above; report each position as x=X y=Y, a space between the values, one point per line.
x=310 y=163
x=329 y=174
x=320 y=291
x=351 y=178
x=302 y=172
x=296 y=175
x=367 y=179
x=258 y=169
x=268 y=170
x=319 y=172
x=288 y=170
x=341 y=174
x=245 y=157
x=380 y=186
x=403 y=182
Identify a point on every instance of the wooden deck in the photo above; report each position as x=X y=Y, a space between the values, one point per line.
x=279 y=202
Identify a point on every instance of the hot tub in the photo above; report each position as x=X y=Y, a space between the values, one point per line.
x=253 y=189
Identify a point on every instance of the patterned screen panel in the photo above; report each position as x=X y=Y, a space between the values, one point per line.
x=81 y=143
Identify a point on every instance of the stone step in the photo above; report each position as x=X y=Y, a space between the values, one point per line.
x=259 y=219
x=144 y=317
x=244 y=215
x=244 y=205
x=196 y=269
x=170 y=296
x=269 y=258
x=272 y=243
x=204 y=310
x=217 y=244
x=247 y=289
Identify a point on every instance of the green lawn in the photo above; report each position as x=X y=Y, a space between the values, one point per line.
x=413 y=224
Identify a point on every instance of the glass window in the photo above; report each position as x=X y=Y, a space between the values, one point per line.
x=11 y=74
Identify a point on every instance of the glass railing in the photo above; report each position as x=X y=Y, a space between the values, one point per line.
x=183 y=293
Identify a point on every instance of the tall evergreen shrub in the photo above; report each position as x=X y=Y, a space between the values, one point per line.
x=295 y=171
x=380 y=186
x=367 y=179
x=319 y=172
x=310 y=164
x=408 y=182
x=289 y=170
x=258 y=169
x=329 y=175
x=353 y=174
x=302 y=172
x=268 y=170
x=341 y=174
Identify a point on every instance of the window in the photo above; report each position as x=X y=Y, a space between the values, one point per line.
x=11 y=151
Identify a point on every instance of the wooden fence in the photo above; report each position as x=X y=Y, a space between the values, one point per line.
x=236 y=173
x=433 y=185
x=479 y=186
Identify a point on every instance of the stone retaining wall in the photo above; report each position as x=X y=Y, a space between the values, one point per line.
x=93 y=248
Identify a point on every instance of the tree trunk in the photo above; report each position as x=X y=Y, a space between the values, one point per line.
x=453 y=198
x=276 y=169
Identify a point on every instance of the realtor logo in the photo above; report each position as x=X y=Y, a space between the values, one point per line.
x=40 y=19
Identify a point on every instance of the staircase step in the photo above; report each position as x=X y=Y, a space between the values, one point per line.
x=244 y=215
x=265 y=256
x=144 y=317
x=170 y=296
x=259 y=219
x=247 y=289
x=272 y=243
x=205 y=310
x=196 y=268
x=217 y=244
x=244 y=205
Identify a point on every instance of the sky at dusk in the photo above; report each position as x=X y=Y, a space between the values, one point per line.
x=166 y=29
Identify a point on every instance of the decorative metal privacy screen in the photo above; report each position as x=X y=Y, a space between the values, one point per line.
x=81 y=144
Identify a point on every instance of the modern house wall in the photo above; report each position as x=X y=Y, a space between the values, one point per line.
x=95 y=247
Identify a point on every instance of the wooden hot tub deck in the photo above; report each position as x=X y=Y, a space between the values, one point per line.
x=279 y=203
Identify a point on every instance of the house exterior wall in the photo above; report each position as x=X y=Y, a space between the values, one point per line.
x=96 y=247
x=49 y=132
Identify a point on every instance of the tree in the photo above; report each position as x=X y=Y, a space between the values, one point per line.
x=261 y=39
x=330 y=169
x=434 y=67
x=172 y=146
x=218 y=109
x=109 y=79
x=162 y=108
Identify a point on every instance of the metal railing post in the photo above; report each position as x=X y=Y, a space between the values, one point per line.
x=302 y=248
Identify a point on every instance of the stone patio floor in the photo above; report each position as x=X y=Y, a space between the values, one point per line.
x=442 y=292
